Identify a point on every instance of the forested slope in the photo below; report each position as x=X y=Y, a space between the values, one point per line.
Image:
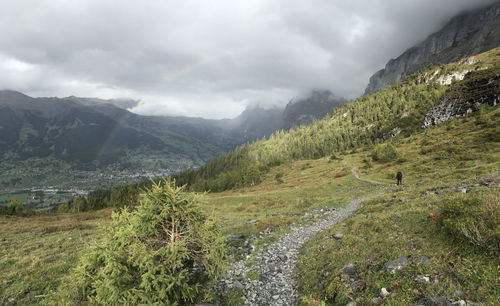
x=399 y=109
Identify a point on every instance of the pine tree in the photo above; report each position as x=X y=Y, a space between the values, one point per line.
x=163 y=252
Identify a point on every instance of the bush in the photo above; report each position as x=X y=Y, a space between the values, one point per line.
x=16 y=208
x=306 y=166
x=368 y=162
x=385 y=153
x=473 y=220
x=164 y=252
x=335 y=289
x=334 y=156
x=279 y=177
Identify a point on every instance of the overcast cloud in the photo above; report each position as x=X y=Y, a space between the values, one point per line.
x=207 y=58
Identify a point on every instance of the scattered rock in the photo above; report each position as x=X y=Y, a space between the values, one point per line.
x=396 y=264
x=412 y=246
x=237 y=284
x=338 y=236
x=350 y=270
x=460 y=302
x=39 y=245
x=252 y=221
x=11 y=300
x=435 y=301
x=462 y=189
x=423 y=260
x=459 y=294
x=384 y=292
x=376 y=300
x=358 y=286
x=422 y=279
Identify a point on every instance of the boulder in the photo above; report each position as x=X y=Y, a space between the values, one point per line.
x=350 y=270
x=397 y=264
x=384 y=292
x=422 y=279
x=435 y=301
x=376 y=300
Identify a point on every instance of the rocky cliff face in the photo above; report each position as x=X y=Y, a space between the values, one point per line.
x=465 y=35
x=467 y=96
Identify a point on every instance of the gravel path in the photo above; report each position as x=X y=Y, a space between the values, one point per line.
x=275 y=264
x=356 y=175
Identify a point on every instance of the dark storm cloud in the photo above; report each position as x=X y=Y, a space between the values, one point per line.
x=207 y=58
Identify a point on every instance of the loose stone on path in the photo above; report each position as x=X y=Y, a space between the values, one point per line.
x=275 y=264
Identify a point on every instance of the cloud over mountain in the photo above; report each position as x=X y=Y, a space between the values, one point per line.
x=207 y=59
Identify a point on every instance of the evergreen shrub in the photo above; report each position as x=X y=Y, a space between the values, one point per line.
x=163 y=252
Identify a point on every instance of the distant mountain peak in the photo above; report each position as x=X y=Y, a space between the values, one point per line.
x=12 y=94
x=314 y=107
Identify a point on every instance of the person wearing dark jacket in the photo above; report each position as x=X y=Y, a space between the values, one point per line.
x=399 y=177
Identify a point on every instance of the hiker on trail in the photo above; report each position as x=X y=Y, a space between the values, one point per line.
x=399 y=177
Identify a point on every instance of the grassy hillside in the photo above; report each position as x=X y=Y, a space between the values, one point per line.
x=368 y=120
x=439 y=165
x=418 y=219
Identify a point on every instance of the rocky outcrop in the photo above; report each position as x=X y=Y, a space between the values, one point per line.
x=465 y=35
x=477 y=88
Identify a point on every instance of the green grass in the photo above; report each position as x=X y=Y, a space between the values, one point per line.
x=398 y=224
x=36 y=252
x=27 y=270
x=253 y=275
x=233 y=297
x=275 y=203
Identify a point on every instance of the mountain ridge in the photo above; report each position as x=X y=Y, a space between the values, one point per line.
x=466 y=34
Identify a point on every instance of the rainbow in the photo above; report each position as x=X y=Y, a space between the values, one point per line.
x=105 y=143
x=185 y=70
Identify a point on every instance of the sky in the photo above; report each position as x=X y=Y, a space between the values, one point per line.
x=208 y=59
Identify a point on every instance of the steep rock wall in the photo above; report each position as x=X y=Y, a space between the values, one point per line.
x=465 y=35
